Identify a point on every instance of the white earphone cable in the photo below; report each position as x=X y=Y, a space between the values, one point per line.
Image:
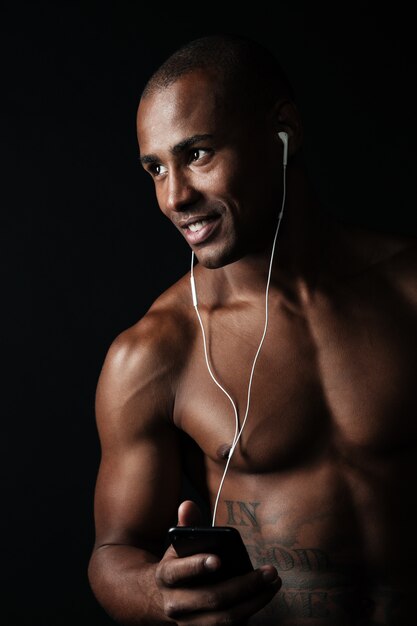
x=238 y=432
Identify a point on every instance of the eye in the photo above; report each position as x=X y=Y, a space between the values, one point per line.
x=157 y=169
x=198 y=153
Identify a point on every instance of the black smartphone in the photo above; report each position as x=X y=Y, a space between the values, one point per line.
x=224 y=541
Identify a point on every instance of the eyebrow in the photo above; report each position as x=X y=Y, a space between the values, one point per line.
x=177 y=149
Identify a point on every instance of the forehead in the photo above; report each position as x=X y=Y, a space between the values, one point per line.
x=193 y=104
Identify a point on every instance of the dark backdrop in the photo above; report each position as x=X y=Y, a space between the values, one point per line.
x=85 y=250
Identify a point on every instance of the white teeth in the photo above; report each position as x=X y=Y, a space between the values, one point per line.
x=197 y=225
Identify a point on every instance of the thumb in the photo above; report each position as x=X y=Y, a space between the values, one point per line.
x=189 y=514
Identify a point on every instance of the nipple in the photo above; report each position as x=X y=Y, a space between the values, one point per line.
x=223 y=451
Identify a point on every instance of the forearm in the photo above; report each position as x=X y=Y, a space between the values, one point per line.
x=123 y=581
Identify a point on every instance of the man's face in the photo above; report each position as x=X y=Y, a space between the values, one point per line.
x=215 y=171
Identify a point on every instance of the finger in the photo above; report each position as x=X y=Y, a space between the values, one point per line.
x=189 y=514
x=235 y=591
x=173 y=571
x=250 y=592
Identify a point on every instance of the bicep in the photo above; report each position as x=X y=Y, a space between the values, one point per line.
x=139 y=479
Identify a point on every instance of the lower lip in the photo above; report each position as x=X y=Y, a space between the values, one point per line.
x=200 y=236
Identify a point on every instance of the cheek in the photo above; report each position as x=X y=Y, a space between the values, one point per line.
x=218 y=181
x=226 y=182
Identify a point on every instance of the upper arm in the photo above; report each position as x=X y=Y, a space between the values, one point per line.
x=138 y=483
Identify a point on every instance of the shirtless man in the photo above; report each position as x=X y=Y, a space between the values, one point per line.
x=319 y=484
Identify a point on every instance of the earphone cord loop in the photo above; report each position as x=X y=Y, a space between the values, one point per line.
x=238 y=432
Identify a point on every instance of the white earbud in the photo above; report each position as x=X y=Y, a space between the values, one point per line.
x=284 y=138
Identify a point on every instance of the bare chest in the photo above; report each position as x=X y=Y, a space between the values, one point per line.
x=342 y=370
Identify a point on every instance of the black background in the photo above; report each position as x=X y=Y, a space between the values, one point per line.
x=85 y=251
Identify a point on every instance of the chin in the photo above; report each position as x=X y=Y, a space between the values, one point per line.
x=214 y=259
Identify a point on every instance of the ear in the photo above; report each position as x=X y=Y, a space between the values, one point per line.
x=285 y=117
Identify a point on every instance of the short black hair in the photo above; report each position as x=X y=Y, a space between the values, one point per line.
x=244 y=68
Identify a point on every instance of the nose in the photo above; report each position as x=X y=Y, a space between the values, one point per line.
x=180 y=192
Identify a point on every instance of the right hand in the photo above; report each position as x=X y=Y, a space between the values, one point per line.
x=228 y=602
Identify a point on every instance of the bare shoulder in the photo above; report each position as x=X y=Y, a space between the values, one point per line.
x=160 y=333
x=146 y=359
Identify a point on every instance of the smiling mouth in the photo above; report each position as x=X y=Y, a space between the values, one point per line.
x=196 y=226
x=199 y=230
